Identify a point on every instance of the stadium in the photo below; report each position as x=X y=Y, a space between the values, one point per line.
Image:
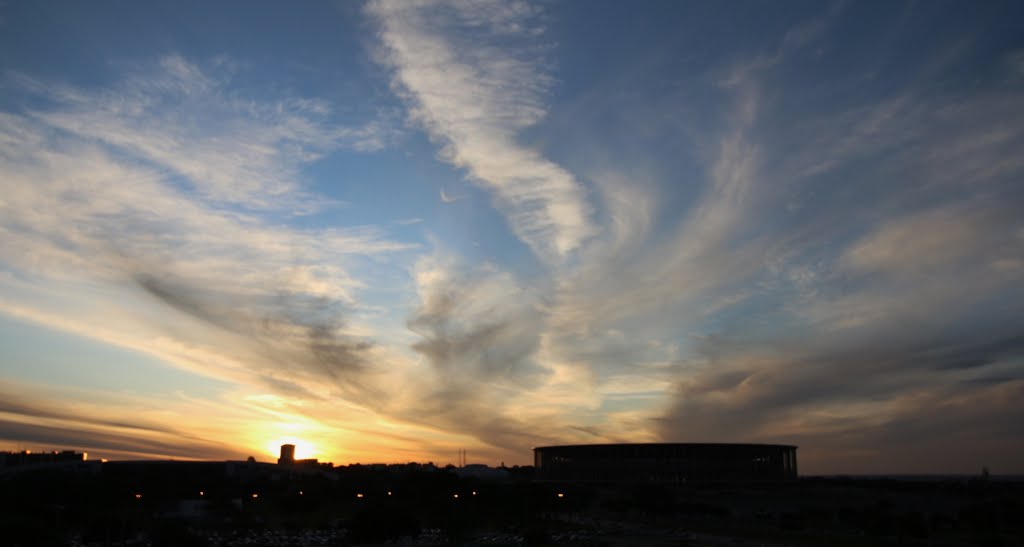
x=666 y=463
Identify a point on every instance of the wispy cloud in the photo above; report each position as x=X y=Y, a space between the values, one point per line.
x=182 y=118
x=824 y=390
x=143 y=190
x=804 y=293
x=868 y=287
x=475 y=98
x=445 y=198
x=479 y=331
x=38 y=418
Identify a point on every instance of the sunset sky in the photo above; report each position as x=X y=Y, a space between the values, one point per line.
x=388 y=231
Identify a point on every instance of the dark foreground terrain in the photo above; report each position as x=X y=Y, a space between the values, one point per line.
x=218 y=504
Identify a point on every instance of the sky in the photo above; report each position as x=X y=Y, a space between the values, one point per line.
x=393 y=230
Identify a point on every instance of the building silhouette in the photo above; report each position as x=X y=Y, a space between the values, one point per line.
x=28 y=457
x=287 y=454
x=667 y=463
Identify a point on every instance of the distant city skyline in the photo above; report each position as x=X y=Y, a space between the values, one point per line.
x=391 y=231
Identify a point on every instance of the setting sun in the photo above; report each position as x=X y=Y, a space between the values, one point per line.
x=303 y=449
x=293 y=430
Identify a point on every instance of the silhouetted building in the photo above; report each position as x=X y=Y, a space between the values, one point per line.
x=287 y=454
x=27 y=457
x=670 y=463
x=309 y=465
x=482 y=472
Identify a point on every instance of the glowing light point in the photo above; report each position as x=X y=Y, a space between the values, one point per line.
x=138 y=496
x=254 y=496
x=201 y=493
x=456 y=496
x=389 y=492
x=359 y=495
x=561 y=495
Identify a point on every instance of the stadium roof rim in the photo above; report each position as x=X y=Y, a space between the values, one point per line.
x=666 y=444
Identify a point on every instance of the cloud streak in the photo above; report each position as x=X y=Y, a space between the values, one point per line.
x=143 y=190
x=475 y=98
x=889 y=288
x=28 y=416
x=231 y=150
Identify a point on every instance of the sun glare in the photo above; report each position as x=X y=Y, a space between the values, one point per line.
x=270 y=436
x=304 y=450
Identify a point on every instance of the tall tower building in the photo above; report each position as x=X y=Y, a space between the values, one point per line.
x=287 y=454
